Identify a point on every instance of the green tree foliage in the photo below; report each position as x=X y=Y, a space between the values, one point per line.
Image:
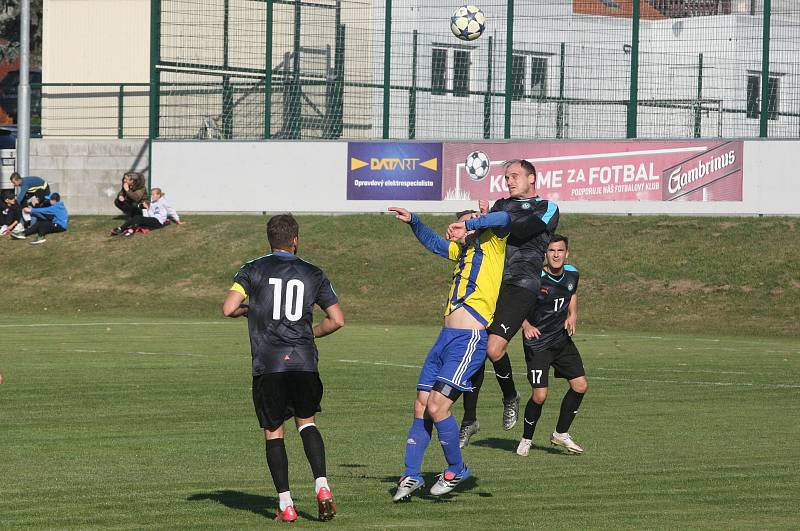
x=10 y=12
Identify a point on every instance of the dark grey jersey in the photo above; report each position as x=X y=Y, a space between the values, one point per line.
x=552 y=308
x=282 y=290
x=525 y=256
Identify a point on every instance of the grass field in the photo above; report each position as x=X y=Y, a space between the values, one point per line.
x=672 y=275
x=148 y=423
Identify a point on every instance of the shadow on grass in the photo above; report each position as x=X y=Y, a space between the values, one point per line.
x=468 y=485
x=510 y=445
x=265 y=506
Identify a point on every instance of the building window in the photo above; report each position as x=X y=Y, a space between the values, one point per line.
x=538 y=77
x=439 y=71
x=461 y=67
x=754 y=97
x=518 y=77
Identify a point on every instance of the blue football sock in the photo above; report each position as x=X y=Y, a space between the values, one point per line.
x=419 y=435
x=448 y=438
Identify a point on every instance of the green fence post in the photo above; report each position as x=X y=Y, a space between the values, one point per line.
x=412 y=92
x=121 y=111
x=487 y=98
x=509 y=64
x=227 y=90
x=633 y=103
x=561 y=83
x=268 y=73
x=295 y=113
x=387 y=67
x=155 y=58
x=155 y=84
x=764 y=117
x=698 y=105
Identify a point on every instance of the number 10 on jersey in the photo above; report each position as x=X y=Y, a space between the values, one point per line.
x=294 y=299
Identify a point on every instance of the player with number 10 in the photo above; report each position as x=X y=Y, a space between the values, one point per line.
x=281 y=290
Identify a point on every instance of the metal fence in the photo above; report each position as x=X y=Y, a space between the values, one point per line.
x=361 y=69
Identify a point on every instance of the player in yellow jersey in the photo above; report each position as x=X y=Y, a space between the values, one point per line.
x=479 y=254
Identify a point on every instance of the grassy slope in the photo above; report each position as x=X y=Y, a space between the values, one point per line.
x=660 y=274
x=151 y=426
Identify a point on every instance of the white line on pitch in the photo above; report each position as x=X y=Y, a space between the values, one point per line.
x=708 y=371
x=43 y=325
x=679 y=382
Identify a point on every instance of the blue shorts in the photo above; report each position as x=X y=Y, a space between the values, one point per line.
x=454 y=358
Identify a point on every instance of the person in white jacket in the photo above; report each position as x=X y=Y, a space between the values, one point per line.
x=154 y=215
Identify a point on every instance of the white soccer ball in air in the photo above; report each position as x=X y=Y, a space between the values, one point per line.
x=468 y=23
x=477 y=165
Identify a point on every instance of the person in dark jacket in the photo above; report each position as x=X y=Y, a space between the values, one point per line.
x=131 y=195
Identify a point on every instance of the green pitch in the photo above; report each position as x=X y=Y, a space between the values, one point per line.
x=149 y=424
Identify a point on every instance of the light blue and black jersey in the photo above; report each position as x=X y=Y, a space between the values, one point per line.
x=552 y=308
x=526 y=246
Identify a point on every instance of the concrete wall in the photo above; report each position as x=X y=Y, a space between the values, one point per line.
x=311 y=177
x=87 y=173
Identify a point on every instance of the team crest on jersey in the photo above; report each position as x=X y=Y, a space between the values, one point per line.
x=526 y=206
x=570 y=286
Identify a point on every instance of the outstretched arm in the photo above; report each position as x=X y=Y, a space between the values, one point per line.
x=489 y=221
x=426 y=235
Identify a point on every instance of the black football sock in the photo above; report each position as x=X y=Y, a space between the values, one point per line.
x=502 y=370
x=471 y=398
x=315 y=449
x=532 y=413
x=278 y=464
x=569 y=408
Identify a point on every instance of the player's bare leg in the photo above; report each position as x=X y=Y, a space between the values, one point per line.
x=315 y=453
x=569 y=408
x=496 y=351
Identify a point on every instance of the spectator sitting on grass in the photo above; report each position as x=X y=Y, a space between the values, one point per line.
x=32 y=189
x=45 y=220
x=154 y=215
x=10 y=213
x=131 y=195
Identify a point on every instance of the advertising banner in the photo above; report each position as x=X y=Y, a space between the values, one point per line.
x=698 y=170
x=394 y=171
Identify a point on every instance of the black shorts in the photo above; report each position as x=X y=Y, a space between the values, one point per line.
x=564 y=358
x=513 y=306
x=280 y=396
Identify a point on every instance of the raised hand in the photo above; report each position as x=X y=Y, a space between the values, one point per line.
x=456 y=231
x=401 y=213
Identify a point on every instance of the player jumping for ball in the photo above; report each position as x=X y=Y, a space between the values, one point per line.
x=548 y=342
x=523 y=268
x=477 y=247
x=282 y=290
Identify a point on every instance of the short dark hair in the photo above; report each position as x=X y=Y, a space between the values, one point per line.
x=560 y=238
x=55 y=196
x=526 y=165
x=8 y=195
x=281 y=230
x=15 y=175
x=464 y=213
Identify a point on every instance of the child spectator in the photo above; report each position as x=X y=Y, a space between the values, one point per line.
x=10 y=214
x=29 y=188
x=46 y=220
x=131 y=195
x=154 y=216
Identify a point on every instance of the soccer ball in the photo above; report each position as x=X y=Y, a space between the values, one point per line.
x=467 y=23
x=477 y=165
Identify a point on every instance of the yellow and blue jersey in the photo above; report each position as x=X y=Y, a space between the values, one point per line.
x=478 y=271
